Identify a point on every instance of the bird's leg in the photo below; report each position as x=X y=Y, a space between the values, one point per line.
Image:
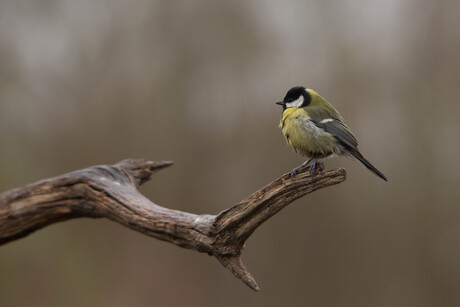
x=295 y=170
x=313 y=166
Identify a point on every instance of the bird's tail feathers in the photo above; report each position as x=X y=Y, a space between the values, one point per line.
x=367 y=164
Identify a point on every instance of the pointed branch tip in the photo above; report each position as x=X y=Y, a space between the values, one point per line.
x=236 y=266
x=154 y=166
x=141 y=169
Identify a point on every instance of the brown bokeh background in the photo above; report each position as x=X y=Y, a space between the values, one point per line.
x=95 y=82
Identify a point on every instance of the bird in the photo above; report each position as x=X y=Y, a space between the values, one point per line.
x=316 y=130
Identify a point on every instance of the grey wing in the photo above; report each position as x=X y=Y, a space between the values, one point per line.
x=337 y=128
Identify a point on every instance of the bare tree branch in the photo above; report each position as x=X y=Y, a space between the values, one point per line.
x=111 y=192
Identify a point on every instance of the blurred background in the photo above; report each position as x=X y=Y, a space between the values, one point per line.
x=94 y=82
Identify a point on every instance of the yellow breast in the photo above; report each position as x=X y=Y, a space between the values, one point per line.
x=303 y=135
x=287 y=114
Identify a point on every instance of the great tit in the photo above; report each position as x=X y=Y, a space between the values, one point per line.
x=316 y=130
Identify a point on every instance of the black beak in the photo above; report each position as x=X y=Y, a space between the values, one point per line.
x=281 y=103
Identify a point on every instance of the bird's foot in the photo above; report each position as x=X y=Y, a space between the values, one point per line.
x=316 y=165
x=295 y=170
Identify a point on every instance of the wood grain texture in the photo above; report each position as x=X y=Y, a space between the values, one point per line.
x=111 y=192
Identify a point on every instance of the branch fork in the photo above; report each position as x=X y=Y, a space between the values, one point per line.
x=111 y=192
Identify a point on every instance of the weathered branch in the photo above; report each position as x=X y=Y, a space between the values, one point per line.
x=111 y=192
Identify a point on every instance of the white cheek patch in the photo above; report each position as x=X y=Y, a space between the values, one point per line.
x=327 y=120
x=296 y=103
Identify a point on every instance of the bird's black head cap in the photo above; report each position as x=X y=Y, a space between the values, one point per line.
x=296 y=96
